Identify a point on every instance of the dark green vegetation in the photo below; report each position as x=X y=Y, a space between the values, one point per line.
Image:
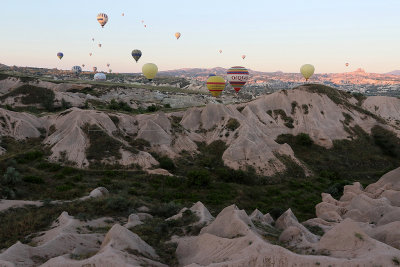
x=280 y=112
x=232 y=124
x=33 y=95
x=364 y=159
x=202 y=177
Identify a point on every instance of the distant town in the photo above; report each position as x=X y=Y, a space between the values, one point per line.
x=357 y=81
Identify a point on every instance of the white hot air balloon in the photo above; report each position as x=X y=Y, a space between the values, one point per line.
x=99 y=76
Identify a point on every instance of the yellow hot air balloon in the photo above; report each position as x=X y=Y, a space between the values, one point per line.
x=177 y=35
x=307 y=70
x=149 y=70
x=215 y=85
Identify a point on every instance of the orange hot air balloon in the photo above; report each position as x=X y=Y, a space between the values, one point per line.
x=177 y=35
x=215 y=85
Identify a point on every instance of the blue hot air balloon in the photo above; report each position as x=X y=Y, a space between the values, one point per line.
x=60 y=55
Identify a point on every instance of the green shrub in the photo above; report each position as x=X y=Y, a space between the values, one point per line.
x=166 y=163
x=304 y=139
x=387 y=141
x=166 y=209
x=152 y=108
x=200 y=178
x=232 y=124
x=120 y=105
x=33 y=179
x=65 y=104
x=305 y=108
x=118 y=203
x=294 y=105
x=11 y=177
x=29 y=156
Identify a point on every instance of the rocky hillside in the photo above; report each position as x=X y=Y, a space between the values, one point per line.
x=86 y=136
x=360 y=229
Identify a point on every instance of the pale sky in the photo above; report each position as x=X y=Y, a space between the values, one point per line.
x=274 y=35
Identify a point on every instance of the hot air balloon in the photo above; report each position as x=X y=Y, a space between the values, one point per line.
x=93 y=39
x=76 y=70
x=102 y=19
x=237 y=77
x=136 y=54
x=347 y=64
x=123 y=14
x=99 y=77
x=108 y=64
x=94 y=69
x=110 y=70
x=142 y=21
x=83 y=65
x=145 y=26
x=220 y=51
x=211 y=74
x=99 y=45
x=60 y=55
x=307 y=70
x=177 y=35
x=215 y=85
x=243 y=56
x=90 y=54
x=150 y=70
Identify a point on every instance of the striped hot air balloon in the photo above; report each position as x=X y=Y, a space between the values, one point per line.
x=215 y=85
x=237 y=77
x=102 y=19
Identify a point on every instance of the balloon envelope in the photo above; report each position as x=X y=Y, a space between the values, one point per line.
x=220 y=51
x=243 y=56
x=177 y=35
x=76 y=70
x=99 y=76
x=307 y=71
x=102 y=19
x=136 y=54
x=99 y=45
x=83 y=65
x=237 y=76
x=215 y=85
x=347 y=64
x=90 y=54
x=150 y=70
x=60 y=55
x=94 y=69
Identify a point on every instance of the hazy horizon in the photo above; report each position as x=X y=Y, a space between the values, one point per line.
x=274 y=35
